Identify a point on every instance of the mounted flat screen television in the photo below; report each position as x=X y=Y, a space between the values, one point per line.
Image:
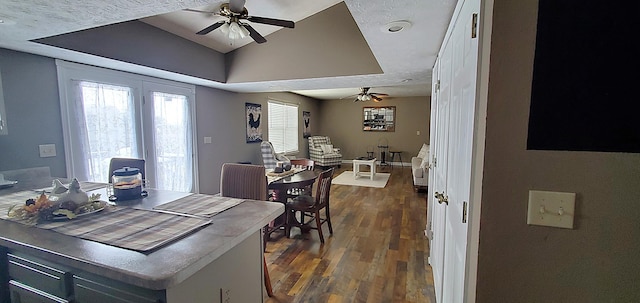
x=585 y=94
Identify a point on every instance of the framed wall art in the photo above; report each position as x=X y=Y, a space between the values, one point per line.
x=254 y=127
x=306 y=118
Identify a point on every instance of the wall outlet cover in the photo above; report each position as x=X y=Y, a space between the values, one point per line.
x=47 y=150
x=547 y=208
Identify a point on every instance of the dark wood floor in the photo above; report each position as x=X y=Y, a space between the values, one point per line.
x=378 y=251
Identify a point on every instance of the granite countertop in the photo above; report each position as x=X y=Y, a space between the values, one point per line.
x=160 y=269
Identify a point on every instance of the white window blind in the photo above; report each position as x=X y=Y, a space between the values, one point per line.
x=283 y=127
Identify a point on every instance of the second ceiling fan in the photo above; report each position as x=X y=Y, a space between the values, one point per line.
x=365 y=95
x=235 y=28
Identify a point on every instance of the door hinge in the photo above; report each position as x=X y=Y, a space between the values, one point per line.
x=438 y=85
x=435 y=162
x=464 y=212
x=474 y=25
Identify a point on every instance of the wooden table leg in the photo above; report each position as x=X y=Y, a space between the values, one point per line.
x=267 y=280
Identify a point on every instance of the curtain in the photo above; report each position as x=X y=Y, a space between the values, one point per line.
x=173 y=143
x=103 y=127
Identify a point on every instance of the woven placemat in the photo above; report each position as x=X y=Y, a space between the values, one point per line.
x=200 y=205
x=130 y=228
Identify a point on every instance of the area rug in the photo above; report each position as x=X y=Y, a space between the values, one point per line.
x=346 y=178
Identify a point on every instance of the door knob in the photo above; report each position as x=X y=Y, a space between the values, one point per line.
x=441 y=198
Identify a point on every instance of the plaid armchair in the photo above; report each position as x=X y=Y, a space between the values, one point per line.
x=269 y=156
x=322 y=151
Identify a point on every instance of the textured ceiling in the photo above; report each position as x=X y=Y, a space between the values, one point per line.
x=406 y=57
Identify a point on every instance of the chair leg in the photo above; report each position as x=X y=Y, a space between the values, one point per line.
x=328 y=219
x=319 y=225
x=267 y=279
x=290 y=218
x=265 y=235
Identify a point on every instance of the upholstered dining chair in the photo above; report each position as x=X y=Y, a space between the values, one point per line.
x=118 y=163
x=246 y=181
x=311 y=206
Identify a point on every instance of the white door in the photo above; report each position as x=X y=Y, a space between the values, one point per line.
x=440 y=164
x=461 y=130
x=169 y=131
x=109 y=114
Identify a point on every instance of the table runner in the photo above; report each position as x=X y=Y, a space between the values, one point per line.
x=200 y=205
x=135 y=229
x=272 y=177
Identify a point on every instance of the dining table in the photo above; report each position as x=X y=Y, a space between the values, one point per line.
x=296 y=180
x=122 y=252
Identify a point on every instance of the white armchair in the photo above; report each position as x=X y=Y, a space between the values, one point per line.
x=420 y=168
x=323 y=153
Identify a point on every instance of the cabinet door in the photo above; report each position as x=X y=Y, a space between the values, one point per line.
x=101 y=290
x=21 y=293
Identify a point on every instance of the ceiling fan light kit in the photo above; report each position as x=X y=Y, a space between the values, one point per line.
x=234 y=30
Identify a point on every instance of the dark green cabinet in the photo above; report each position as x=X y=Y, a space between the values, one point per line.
x=33 y=280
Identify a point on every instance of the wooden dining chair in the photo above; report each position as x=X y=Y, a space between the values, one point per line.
x=304 y=164
x=246 y=181
x=311 y=206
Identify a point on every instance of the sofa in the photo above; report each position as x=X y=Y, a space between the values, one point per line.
x=420 y=168
x=323 y=153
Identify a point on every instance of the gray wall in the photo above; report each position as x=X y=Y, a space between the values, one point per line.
x=220 y=115
x=595 y=262
x=33 y=112
x=342 y=121
x=33 y=118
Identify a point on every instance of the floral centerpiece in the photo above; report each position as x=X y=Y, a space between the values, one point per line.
x=63 y=202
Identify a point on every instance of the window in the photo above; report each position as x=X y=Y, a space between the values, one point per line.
x=283 y=126
x=109 y=114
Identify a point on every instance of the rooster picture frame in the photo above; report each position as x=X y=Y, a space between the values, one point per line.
x=306 y=119
x=254 y=124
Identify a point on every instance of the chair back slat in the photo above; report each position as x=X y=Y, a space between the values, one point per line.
x=306 y=164
x=324 y=187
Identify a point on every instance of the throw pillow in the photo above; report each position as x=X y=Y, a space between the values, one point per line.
x=327 y=148
x=423 y=151
x=425 y=162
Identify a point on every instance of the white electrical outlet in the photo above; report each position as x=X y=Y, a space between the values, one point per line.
x=549 y=208
x=207 y=140
x=47 y=150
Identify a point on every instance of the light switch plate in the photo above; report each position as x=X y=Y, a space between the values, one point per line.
x=207 y=140
x=549 y=208
x=47 y=150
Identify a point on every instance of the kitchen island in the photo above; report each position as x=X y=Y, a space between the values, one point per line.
x=221 y=260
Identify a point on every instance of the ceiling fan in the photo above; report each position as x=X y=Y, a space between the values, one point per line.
x=365 y=95
x=237 y=29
